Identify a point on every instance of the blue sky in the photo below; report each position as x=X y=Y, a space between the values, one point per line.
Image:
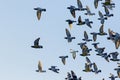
x=20 y=27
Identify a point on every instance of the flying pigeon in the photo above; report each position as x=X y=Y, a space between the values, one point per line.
x=63 y=59
x=36 y=44
x=88 y=23
x=70 y=22
x=72 y=10
x=100 y=51
x=101 y=30
x=89 y=62
x=39 y=11
x=80 y=22
x=54 y=69
x=87 y=68
x=85 y=51
x=69 y=38
x=40 y=67
x=73 y=53
x=106 y=56
x=95 y=45
x=86 y=37
x=95 y=69
x=114 y=56
x=94 y=35
x=89 y=12
x=102 y=18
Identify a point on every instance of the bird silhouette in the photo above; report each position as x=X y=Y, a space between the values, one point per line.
x=36 y=44
x=63 y=59
x=54 y=69
x=69 y=38
x=70 y=22
x=39 y=12
x=89 y=12
x=86 y=38
x=102 y=18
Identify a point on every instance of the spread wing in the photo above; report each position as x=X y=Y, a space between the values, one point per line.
x=79 y=4
x=38 y=14
x=96 y=3
x=88 y=60
x=40 y=66
x=36 y=42
x=101 y=28
x=88 y=9
x=73 y=12
x=100 y=14
x=68 y=33
x=85 y=35
x=106 y=10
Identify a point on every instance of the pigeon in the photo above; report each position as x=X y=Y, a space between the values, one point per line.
x=88 y=23
x=70 y=22
x=112 y=76
x=96 y=3
x=87 y=68
x=80 y=7
x=100 y=51
x=114 y=56
x=102 y=18
x=94 y=35
x=95 y=45
x=54 y=69
x=40 y=67
x=107 y=13
x=36 y=44
x=95 y=69
x=85 y=51
x=69 y=76
x=73 y=53
x=101 y=30
x=89 y=12
x=106 y=56
x=86 y=37
x=80 y=22
x=63 y=59
x=39 y=11
x=69 y=38
x=72 y=10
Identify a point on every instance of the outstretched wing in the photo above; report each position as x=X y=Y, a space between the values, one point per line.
x=88 y=9
x=100 y=14
x=101 y=29
x=88 y=60
x=36 y=42
x=68 y=33
x=96 y=3
x=106 y=10
x=38 y=14
x=85 y=35
x=40 y=66
x=79 y=4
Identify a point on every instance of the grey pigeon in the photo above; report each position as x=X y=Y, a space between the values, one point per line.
x=63 y=59
x=89 y=12
x=54 y=69
x=86 y=38
x=36 y=44
x=69 y=38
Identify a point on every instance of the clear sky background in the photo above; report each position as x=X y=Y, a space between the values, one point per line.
x=19 y=27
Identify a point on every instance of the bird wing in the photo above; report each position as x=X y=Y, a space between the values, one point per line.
x=101 y=28
x=40 y=66
x=38 y=14
x=73 y=12
x=95 y=66
x=36 y=42
x=68 y=33
x=79 y=19
x=63 y=61
x=79 y=4
x=88 y=60
x=85 y=35
x=106 y=10
x=88 y=9
x=96 y=3
x=100 y=14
